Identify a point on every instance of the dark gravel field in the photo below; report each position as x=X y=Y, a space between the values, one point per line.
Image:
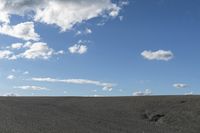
x=161 y=114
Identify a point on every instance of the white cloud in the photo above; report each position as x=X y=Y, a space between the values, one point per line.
x=6 y=54
x=4 y=17
x=78 y=32
x=124 y=3
x=10 y=95
x=108 y=88
x=84 y=32
x=18 y=7
x=78 y=49
x=28 y=50
x=16 y=45
x=88 y=31
x=63 y=13
x=157 y=55
x=147 y=92
x=67 y=13
x=26 y=72
x=23 y=31
x=114 y=11
x=105 y=86
x=189 y=93
x=34 y=88
x=97 y=95
x=10 y=77
x=59 y=52
x=180 y=85
x=38 y=50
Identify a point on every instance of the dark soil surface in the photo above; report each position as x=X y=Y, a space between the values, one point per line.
x=161 y=114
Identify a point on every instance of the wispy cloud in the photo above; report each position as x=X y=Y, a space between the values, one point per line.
x=189 y=93
x=26 y=72
x=10 y=77
x=147 y=92
x=105 y=86
x=34 y=88
x=158 y=55
x=180 y=85
x=84 y=32
x=11 y=95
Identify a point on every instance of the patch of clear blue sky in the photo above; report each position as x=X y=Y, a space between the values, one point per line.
x=114 y=52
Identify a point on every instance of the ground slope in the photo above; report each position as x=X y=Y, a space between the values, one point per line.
x=167 y=114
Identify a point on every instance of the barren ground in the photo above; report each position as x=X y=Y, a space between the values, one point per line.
x=161 y=114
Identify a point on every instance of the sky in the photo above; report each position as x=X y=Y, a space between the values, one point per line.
x=99 y=47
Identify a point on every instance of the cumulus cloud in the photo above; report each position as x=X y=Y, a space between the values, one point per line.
x=10 y=77
x=63 y=13
x=105 y=86
x=23 y=31
x=16 y=45
x=180 y=85
x=6 y=54
x=29 y=50
x=38 y=50
x=4 y=17
x=67 y=13
x=78 y=49
x=18 y=7
x=157 y=55
x=147 y=92
x=114 y=11
x=34 y=88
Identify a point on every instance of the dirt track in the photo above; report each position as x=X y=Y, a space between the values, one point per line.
x=177 y=114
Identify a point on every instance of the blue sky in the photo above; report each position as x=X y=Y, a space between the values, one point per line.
x=105 y=48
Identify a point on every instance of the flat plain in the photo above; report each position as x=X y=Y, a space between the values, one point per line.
x=150 y=114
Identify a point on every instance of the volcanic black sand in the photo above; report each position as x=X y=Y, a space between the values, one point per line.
x=166 y=114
